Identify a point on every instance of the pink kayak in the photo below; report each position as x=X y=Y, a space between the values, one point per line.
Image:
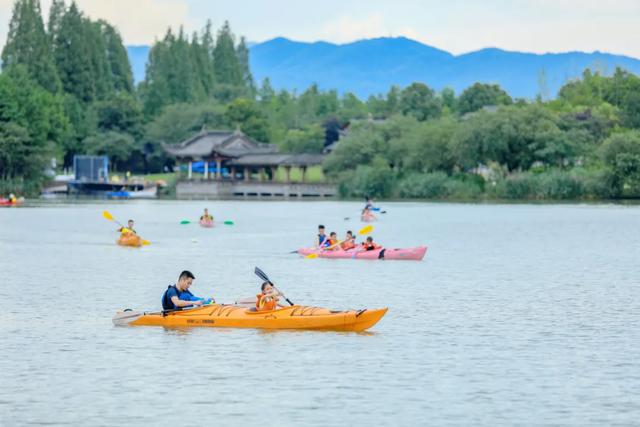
x=415 y=254
x=206 y=223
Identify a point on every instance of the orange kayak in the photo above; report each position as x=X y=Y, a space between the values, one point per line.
x=132 y=240
x=233 y=316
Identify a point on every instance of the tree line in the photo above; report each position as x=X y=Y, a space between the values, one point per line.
x=66 y=88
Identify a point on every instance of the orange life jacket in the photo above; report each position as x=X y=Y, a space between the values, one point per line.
x=348 y=245
x=266 y=302
x=370 y=246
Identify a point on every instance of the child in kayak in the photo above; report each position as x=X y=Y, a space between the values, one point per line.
x=268 y=299
x=178 y=296
x=128 y=229
x=322 y=238
x=206 y=216
x=349 y=241
x=369 y=245
x=332 y=242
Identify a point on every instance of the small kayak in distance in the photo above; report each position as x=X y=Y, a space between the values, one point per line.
x=131 y=240
x=7 y=202
x=413 y=254
x=232 y=316
x=206 y=223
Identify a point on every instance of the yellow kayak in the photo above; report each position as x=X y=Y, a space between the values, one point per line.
x=130 y=240
x=233 y=316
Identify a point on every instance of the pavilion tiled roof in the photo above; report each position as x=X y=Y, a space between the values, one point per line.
x=225 y=143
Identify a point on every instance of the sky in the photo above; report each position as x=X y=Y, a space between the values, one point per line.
x=457 y=26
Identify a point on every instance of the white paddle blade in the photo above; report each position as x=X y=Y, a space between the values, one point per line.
x=124 y=318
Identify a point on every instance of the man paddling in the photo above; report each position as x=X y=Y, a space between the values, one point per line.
x=178 y=296
x=128 y=229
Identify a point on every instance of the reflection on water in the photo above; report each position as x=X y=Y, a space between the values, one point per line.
x=519 y=314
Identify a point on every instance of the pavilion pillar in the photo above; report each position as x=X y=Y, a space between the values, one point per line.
x=233 y=173
x=262 y=174
x=303 y=169
x=190 y=170
x=247 y=173
x=206 y=169
x=218 y=168
x=287 y=174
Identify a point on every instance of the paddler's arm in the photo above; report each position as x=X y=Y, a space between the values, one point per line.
x=181 y=303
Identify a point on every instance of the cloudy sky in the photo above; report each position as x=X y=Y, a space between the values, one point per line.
x=457 y=26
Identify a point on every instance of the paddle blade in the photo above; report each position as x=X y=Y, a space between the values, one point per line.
x=261 y=274
x=366 y=230
x=311 y=256
x=107 y=215
x=145 y=242
x=184 y=221
x=228 y=222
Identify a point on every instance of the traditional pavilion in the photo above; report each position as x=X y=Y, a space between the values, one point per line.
x=232 y=156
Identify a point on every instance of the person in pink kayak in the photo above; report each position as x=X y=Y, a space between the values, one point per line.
x=206 y=217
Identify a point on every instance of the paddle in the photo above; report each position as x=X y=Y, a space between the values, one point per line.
x=261 y=274
x=110 y=217
x=364 y=230
x=186 y=221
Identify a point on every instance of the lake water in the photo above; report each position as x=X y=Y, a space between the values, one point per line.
x=518 y=315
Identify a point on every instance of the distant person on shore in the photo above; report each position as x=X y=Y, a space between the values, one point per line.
x=178 y=296
x=268 y=298
x=321 y=240
x=128 y=229
x=206 y=216
x=370 y=245
x=349 y=241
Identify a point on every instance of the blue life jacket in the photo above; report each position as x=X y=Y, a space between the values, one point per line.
x=167 y=304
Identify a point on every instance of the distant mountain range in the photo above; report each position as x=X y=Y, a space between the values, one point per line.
x=369 y=67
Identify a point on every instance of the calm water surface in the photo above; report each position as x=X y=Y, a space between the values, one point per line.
x=518 y=315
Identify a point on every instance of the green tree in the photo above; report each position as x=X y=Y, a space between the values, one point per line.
x=228 y=70
x=28 y=45
x=244 y=113
x=480 y=95
x=308 y=140
x=419 y=101
x=621 y=155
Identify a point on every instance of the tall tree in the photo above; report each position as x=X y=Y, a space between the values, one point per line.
x=28 y=45
x=243 y=61
x=56 y=12
x=227 y=67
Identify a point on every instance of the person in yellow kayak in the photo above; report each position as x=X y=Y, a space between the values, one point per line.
x=206 y=216
x=268 y=298
x=12 y=199
x=178 y=296
x=128 y=229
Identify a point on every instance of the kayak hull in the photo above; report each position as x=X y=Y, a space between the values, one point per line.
x=130 y=240
x=410 y=254
x=231 y=316
x=206 y=224
x=8 y=203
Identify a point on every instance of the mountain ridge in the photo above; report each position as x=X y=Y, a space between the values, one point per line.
x=371 y=66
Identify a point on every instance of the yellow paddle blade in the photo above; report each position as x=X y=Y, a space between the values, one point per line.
x=366 y=230
x=107 y=215
x=145 y=242
x=311 y=256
